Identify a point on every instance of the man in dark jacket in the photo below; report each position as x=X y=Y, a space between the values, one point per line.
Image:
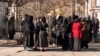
x=28 y=30
x=95 y=27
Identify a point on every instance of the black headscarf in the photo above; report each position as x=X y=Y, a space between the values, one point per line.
x=30 y=18
x=26 y=18
x=44 y=19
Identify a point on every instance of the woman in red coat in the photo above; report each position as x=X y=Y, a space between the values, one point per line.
x=77 y=34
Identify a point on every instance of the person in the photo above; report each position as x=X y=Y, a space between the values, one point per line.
x=95 y=27
x=31 y=32
x=57 y=22
x=70 y=37
x=36 y=34
x=89 y=22
x=85 y=33
x=58 y=34
x=53 y=35
x=77 y=34
x=65 y=34
x=11 y=28
x=43 y=42
x=27 y=29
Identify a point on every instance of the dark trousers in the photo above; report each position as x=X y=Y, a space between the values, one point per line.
x=70 y=43
x=65 y=43
x=53 y=38
x=90 y=36
x=36 y=41
x=94 y=36
x=84 y=44
x=11 y=34
x=31 y=40
x=59 y=40
x=28 y=40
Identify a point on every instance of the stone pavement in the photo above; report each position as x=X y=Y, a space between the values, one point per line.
x=94 y=50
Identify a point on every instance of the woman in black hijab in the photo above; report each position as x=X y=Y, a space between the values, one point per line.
x=11 y=28
x=43 y=43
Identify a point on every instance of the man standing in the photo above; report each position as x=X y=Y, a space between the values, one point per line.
x=95 y=27
x=28 y=30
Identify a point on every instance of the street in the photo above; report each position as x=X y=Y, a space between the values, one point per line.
x=94 y=50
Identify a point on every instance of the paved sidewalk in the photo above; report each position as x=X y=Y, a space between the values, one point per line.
x=94 y=50
x=18 y=51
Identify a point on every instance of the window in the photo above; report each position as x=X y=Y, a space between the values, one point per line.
x=97 y=2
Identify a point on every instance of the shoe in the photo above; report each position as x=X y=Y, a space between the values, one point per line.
x=43 y=50
x=36 y=49
x=86 y=47
x=29 y=49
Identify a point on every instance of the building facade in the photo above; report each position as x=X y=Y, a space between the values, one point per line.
x=94 y=8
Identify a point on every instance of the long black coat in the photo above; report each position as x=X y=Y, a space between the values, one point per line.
x=95 y=27
x=43 y=41
x=11 y=27
x=28 y=31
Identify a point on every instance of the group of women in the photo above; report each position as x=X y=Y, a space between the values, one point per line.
x=35 y=35
x=70 y=34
